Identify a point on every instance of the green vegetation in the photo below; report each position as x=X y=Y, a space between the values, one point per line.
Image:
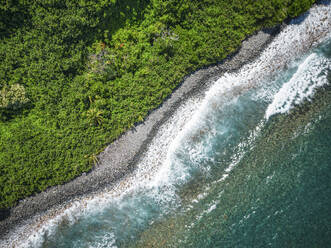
x=74 y=75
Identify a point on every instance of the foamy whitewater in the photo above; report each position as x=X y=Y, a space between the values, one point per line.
x=185 y=146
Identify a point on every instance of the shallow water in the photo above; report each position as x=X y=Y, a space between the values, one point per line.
x=248 y=165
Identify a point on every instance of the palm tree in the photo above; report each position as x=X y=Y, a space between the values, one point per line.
x=95 y=116
x=93 y=159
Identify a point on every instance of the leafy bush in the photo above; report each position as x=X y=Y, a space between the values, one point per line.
x=12 y=99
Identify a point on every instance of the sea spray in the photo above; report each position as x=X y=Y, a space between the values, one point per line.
x=311 y=74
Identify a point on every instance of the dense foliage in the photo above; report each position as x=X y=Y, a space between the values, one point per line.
x=74 y=75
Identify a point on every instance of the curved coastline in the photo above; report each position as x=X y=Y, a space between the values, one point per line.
x=120 y=157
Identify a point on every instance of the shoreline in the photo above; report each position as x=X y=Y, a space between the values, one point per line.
x=120 y=157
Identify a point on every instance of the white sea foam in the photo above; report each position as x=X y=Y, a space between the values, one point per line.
x=161 y=166
x=310 y=75
x=108 y=240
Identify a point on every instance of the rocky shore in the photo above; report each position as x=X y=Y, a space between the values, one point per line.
x=120 y=158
